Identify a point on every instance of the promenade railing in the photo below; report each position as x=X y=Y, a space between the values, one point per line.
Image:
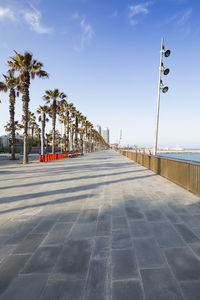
x=183 y=173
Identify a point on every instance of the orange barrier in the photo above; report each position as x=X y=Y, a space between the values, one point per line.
x=49 y=157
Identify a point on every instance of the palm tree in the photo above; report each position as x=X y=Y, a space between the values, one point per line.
x=77 y=119
x=63 y=118
x=82 y=131
x=53 y=95
x=73 y=128
x=28 y=68
x=88 y=127
x=48 y=139
x=68 y=108
x=11 y=83
x=43 y=111
x=17 y=127
x=37 y=140
x=31 y=126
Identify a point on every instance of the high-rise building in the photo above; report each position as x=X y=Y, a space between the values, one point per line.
x=105 y=135
x=98 y=128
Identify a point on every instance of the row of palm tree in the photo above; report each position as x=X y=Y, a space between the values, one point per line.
x=28 y=68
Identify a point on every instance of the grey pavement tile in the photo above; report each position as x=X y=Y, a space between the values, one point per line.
x=121 y=239
x=119 y=223
x=3 y=239
x=30 y=244
x=192 y=221
x=191 y=290
x=196 y=249
x=134 y=213
x=166 y=235
x=159 y=284
x=103 y=228
x=140 y=229
x=127 y=290
x=193 y=209
x=73 y=262
x=80 y=231
x=19 y=236
x=178 y=209
x=59 y=226
x=173 y=218
x=104 y=217
x=124 y=264
x=186 y=233
x=25 y=287
x=69 y=217
x=58 y=234
x=44 y=226
x=131 y=203
x=184 y=264
x=154 y=215
x=97 y=286
x=63 y=290
x=118 y=211
x=10 y=268
x=42 y=260
x=6 y=250
x=11 y=227
x=148 y=253
x=101 y=247
x=196 y=230
x=88 y=216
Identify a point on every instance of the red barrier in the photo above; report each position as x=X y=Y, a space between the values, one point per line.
x=49 y=157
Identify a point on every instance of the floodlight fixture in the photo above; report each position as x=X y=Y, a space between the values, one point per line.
x=166 y=71
x=165 y=89
x=167 y=53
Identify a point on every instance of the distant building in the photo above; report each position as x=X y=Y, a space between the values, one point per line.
x=5 y=143
x=105 y=135
x=98 y=128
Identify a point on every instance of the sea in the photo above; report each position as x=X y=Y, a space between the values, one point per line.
x=184 y=156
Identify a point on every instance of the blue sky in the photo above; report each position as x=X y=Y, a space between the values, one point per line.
x=105 y=55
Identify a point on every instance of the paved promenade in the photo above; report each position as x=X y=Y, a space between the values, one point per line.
x=97 y=227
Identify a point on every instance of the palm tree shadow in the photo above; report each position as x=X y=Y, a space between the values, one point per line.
x=70 y=190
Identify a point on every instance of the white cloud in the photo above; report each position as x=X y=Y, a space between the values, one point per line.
x=33 y=18
x=114 y=14
x=6 y=12
x=87 y=31
x=137 y=9
x=75 y=16
x=185 y=17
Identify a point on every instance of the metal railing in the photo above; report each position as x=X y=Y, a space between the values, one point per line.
x=183 y=173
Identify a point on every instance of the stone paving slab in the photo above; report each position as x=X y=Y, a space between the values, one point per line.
x=98 y=227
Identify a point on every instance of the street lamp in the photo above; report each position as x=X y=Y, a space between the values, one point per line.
x=164 y=89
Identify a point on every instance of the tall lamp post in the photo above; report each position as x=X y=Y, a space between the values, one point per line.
x=164 y=89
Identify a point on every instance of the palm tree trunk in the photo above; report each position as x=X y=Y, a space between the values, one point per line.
x=32 y=133
x=67 y=135
x=53 y=126
x=81 y=143
x=72 y=138
x=76 y=133
x=42 y=133
x=25 y=100
x=12 y=122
